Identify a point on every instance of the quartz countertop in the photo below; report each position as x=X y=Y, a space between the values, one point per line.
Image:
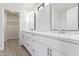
x=66 y=37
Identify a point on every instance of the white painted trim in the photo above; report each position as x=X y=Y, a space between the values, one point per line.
x=2 y=30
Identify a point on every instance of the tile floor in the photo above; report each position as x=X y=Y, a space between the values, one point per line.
x=12 y=48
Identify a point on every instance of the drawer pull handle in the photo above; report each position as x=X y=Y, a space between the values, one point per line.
x=23 y=36
x=48 y=52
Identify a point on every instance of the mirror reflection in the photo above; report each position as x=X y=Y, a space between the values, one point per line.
x=64 y=16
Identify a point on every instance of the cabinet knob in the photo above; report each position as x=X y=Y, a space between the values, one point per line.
x=49 y=52
x=27 y=37
x=23 y=36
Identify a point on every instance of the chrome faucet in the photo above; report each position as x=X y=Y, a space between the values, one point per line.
x=61 y=31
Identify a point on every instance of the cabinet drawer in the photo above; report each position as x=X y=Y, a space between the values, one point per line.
x=64 y=47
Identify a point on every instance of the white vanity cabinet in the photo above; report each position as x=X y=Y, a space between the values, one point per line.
x=34 y=47
x=22 y=40
x=59 y=46
x=38 y=49
x=39 y=45
x=42 y=45
x=54 y=47
x=25 y=40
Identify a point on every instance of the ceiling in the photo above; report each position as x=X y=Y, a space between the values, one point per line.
x=19 y=6
x=27 y=6
x=63 y=6
x=22 y=6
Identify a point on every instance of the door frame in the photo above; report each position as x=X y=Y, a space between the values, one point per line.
x=4 y=26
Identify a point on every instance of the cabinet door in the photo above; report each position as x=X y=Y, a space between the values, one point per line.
x=41 y=49
x=33 y=48
x=54 y=52
x=22 y=38
x=37 y=49
x=25 y=40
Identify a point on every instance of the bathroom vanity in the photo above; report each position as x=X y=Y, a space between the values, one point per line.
x=50 y=44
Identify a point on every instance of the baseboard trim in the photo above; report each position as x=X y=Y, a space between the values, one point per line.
x=11 y=39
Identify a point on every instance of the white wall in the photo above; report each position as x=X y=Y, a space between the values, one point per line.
x=1 y=29
x=24 y=21
x=43 y=19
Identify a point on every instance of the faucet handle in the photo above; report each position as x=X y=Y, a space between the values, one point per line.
x=61 y=31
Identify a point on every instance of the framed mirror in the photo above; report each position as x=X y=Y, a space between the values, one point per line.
x=32 y=20
x=64 y=16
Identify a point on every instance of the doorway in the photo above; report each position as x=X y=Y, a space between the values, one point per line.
x=11 y=34
x=11 y=31
x=12 y=25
